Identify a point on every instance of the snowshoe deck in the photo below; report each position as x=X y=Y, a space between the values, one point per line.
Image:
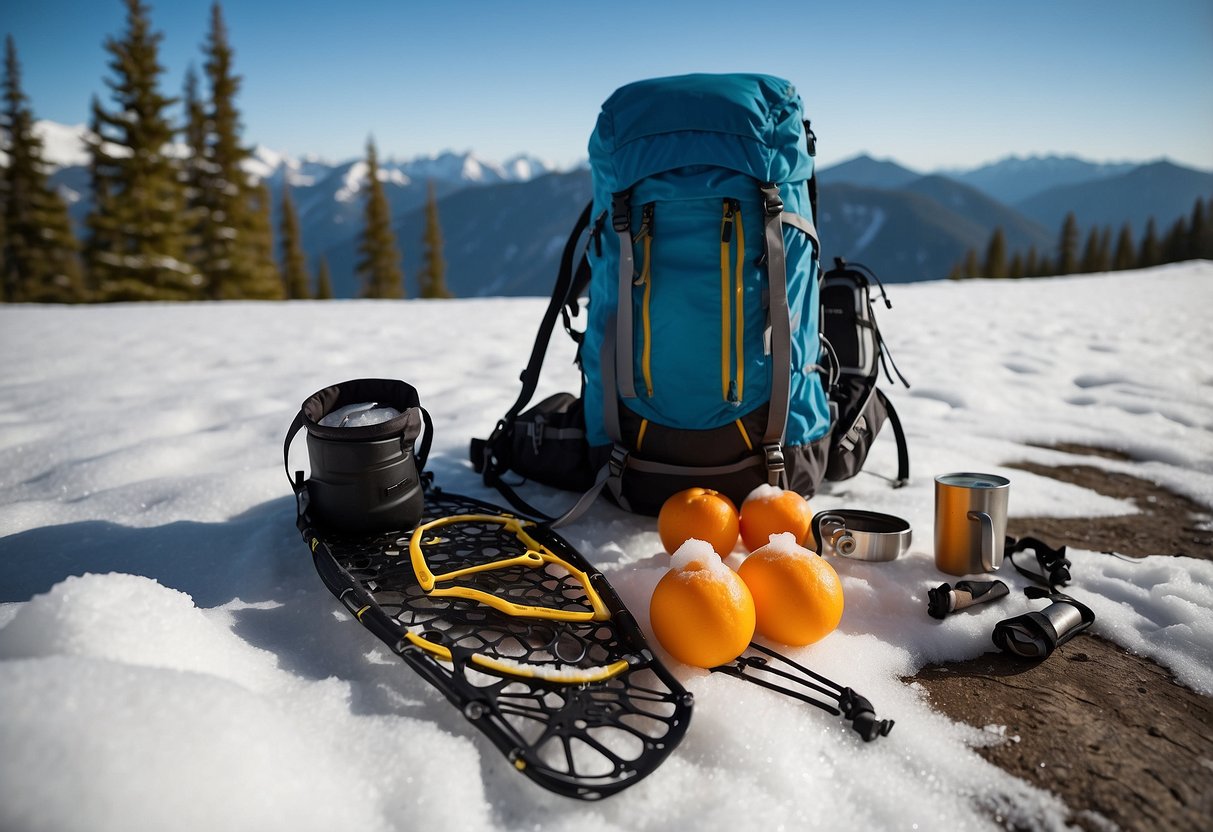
x=521 y=634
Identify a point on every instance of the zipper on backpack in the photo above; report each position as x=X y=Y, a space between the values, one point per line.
x=732 y=309
x=645 y=279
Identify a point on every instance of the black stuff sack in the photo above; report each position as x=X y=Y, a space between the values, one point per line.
x=366 y=473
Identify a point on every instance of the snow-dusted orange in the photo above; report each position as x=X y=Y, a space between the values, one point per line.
x=797 y=594
x=699 y=513
x=701 y=612
x=771 y=510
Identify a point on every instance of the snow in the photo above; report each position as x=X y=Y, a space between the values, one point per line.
x=784 y=545
x=696 y=555
x=169 y=659
x=62 y=144
x=354 y=179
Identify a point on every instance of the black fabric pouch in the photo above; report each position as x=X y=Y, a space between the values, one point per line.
x=853 y=433
x=548 y=444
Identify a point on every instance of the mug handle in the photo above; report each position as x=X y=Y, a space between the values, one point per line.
x=989 y=550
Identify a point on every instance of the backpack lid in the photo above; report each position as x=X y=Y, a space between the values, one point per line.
x=750 y=123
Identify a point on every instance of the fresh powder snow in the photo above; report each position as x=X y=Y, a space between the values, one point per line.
x=170 y=660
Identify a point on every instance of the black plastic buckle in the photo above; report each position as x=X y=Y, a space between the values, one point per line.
x=618 y=461
x=621 y=211
x=772 y=203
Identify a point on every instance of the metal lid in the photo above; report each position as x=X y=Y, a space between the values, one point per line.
x=861 y=535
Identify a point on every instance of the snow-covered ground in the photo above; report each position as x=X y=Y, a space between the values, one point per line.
x=169 y=659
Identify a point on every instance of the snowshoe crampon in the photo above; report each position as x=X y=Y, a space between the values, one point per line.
x=521 y=634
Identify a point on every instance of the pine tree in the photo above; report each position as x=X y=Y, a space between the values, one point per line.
x=263 y=281
x=195 y=174
x=433 y=267
x=1016 y=268
x=40 y=252
x=1150 y=253
x=995 y=266
x=378 y=266
x=292 y=263
x=1031 y=266
x=1089 y=262
x=234 y=256
x=3 y=245
x=965 y=267
x=969 y=267
x=1125 y=257
x=1067 y=246
x=1200 y=231
x=1175 y=245
x=138 y=222
x=100 y=239
x=324 y=284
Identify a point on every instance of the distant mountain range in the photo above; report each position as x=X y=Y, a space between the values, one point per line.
x=505 y=224
x=927 y=223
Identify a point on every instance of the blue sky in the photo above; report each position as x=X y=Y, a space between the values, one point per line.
x=930 y=84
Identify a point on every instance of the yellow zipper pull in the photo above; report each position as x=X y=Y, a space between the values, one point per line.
x=726 y=222
x=644 y=234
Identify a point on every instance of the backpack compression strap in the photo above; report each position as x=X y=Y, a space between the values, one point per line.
x=621 y=221
x=779 y=323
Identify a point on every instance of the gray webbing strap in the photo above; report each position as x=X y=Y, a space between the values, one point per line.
x=610 y=476
x=780 y=317
x=621 y=221
x=610 y=401
x=650 y=467
x=585 y=501
x=804 y=224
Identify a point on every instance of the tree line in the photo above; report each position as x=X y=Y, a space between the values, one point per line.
x=174 y=214
x=1188 y=238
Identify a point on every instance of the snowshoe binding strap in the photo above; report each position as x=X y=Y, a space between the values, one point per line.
x=1054 y=567
x=840 y=701
x=1035 y=635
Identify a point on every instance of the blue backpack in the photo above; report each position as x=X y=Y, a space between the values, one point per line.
x=701 y=354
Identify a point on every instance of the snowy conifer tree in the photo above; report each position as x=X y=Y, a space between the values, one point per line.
x=379 y=256
x=40 y=261
x=138 y=222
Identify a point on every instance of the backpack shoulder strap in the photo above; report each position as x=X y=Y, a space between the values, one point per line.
x=483 y=452
x=903 y=448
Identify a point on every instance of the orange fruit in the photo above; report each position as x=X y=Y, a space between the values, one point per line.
x=699 y=513
x=770 y=510
x=797 y=594
x=701 y=612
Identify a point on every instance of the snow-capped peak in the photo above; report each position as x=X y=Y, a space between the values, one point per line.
x=62 y=144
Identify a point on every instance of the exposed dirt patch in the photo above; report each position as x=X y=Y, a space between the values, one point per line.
x=1112 y=734
x=1167 y=525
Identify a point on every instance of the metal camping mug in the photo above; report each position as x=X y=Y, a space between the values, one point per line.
x=970 y=522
